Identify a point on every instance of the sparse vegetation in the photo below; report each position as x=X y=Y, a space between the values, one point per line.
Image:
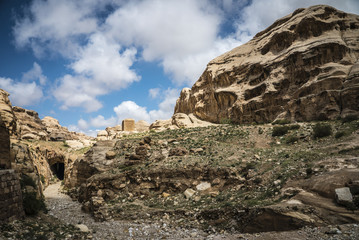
x=349 y=118
x=32 y=205
x=321 y=130
x=280 y=131
x=281 y=122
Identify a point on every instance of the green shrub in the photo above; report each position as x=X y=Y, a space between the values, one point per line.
x=31 y=204
x=27 y=181
x=349 y=118
x=280 y=131
x=321 y=130
x=291 y=139
x=281 y=122
x=339 y=134
x=294 y=127
x=226 y=121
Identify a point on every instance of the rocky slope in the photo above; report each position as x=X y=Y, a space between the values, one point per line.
x=225 y=177
x=303 y=67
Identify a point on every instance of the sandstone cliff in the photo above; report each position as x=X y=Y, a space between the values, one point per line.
x=303 y=67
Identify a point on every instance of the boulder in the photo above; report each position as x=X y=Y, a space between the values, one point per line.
x=303 y=67
x=344 y=197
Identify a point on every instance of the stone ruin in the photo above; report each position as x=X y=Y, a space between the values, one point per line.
x=128 y=125
x=10 y=190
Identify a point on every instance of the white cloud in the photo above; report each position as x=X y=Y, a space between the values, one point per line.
x=82 y=124
x=182 y=35
x=99 y=69
x=21 y=93
x=100 y=121
x=129 y=109
x=34 y=74
x=153 y=92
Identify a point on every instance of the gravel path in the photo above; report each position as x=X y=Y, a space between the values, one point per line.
x=64 y=208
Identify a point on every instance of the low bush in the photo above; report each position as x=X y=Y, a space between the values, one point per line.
x=281 y=122
x=279 y=131
x=339 y=134
x=31 y=204
x=291 y=139
x=321 y=130
x=294 y=127
x=349 y=118
x=27 y=181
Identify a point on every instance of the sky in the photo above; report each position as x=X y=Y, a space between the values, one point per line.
x=92 y=63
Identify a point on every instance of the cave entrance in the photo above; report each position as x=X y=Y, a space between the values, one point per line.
x=58 y=169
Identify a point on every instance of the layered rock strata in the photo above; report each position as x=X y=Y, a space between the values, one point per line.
x=303 y=67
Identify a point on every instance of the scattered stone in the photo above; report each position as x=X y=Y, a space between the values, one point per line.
x=165 y=195
x=83 y=228
x=110 y=155
x=178 y=151
x=203 y=186
x=189 y=193
x=277 y=182
x=333 y=231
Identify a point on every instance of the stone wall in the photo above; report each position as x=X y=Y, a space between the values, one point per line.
x=10 y=196
x=5 y=162
x=128 y=125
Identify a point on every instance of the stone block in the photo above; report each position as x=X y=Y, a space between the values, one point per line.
x=128 y=125
x=344 y=197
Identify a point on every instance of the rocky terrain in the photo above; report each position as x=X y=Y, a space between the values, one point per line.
x=264 y=146
x=303 y=67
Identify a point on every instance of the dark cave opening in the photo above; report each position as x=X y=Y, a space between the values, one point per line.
x=58 y=169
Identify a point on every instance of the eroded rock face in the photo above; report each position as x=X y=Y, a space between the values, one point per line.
x=7 y=114
x=303 y=67
x=31 y=126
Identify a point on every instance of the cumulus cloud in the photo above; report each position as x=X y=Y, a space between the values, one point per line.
x=34 y=74
x=100 y=69
x=22 y=93
x=153 y=92
x=182 y=35
x=100 y=121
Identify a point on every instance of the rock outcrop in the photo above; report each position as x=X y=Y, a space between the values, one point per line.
x=304 y=67
x=118 y=131
x=7 y=114
x=179 y=120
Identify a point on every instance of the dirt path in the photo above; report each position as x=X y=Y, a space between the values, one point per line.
x=62 y=207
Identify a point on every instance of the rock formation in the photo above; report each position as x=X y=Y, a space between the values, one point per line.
x=303 y=67
x=7 y=114
x=119 y=130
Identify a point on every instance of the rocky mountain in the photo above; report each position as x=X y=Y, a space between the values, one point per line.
x=303 y=67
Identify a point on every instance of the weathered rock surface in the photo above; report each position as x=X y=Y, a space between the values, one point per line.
x=303 y=67
x=31 y=126
x=5 y=162
x=6 y=113
x=179 y=120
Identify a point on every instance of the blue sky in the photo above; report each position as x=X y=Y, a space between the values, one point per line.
x=92 y=63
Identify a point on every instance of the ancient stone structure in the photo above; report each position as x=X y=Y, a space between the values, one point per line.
x=303 y=67
x=5 y=162
x=10 y=196
x=128 y=125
